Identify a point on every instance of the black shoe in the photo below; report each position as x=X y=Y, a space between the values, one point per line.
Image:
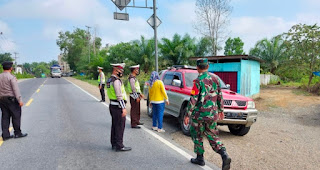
x=7 y=138
x=123 y=149
x=199 y=160
x=21 y=135
x=140 y=123
x=113 y=147
x=102 y=100
x=226 y=160
x=136 y=127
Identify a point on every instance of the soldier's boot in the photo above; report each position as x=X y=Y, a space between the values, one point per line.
x=199 y=160
x=226 y=160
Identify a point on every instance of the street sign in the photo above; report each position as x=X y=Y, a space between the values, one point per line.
x=121 y=4
x=121 y=16
x=152 y=23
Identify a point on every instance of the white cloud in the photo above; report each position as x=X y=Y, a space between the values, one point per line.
x=308 y=18
x=6 y=43
x=253 y=29
x=51 y=32
x=182 y=12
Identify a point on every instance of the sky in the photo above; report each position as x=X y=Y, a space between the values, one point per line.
x=30 y=27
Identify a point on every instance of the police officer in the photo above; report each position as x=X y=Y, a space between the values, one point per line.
x=205 y=108
x=10 y=103
x=133 y=88
x=117 y=95
x=102 y=82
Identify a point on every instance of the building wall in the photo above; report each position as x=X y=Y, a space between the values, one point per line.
x=227 y=67
x=250 y=78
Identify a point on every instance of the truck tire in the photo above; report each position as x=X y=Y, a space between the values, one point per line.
x=239 y=130
x=184 y=128
x=149 y=109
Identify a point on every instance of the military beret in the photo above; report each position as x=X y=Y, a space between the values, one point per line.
x=7 y=64
x=202 y=62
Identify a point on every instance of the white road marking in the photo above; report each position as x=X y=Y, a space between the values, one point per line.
x=161 y=139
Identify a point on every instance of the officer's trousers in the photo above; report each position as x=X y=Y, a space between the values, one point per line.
x=117 y=127
x=10 y=110
x=103 y=96
x=209 y=129
x=134 y=112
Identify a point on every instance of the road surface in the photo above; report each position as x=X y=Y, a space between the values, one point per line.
x=69 y=129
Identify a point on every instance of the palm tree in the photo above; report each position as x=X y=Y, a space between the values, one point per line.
x=273 y=52
x=145 y=53
x=179 y=49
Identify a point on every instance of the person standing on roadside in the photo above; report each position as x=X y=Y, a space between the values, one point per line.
x=102 y=82
x=157 y=96
x=10 y=103
x=134 y=90
x=205 y=108
x=118 y=99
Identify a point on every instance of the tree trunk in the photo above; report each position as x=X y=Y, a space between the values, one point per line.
x=309 y=83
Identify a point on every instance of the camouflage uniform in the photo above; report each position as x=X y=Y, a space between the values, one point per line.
x=205 y=104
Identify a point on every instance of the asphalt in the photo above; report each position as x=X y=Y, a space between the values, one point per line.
x=68 y=129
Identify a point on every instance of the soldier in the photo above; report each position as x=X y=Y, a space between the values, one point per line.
x=133 y=88
x=102 y=82
x=118 y=100
x=204 y=109
x=10 y=103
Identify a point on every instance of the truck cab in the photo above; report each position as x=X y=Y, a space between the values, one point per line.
x=239 y=111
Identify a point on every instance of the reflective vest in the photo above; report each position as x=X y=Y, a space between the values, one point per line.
x=136 y=85
x=103 y=78
x=110 y=89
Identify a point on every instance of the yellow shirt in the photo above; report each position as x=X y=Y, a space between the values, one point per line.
x=157 y=93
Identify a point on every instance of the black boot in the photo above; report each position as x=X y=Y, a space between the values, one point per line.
x=199 y=160
x=226 y=160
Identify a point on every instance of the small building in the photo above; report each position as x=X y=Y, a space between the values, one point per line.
x=241 y=72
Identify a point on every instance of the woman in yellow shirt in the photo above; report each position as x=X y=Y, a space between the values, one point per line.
x=157 y=97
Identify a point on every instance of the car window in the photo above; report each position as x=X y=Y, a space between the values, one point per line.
x=167 y=80
x=189 y=78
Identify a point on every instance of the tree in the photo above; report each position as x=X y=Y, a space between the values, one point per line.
x=234 y=47
x=212 y=20
x=144 y=53
x=178 y=50
x=273 y=52
x=303 y=42
x=5 y=57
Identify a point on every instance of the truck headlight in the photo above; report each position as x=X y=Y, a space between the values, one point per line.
x=251 y=105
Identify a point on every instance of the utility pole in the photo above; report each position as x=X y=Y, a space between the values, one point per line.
x=94 y=42
x=89 y=40
x=15 y=61
x=155 y=33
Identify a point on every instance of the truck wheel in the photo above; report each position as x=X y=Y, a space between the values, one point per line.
x=239 y=130
x=149 y=109
x=184 y=128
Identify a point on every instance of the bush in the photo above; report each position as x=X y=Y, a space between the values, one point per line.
x=23 y=75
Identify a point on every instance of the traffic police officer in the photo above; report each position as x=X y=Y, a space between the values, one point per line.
x=102 y=82
x=133 y=88
x=10 y=103
x=205 y=108
x=118 y=98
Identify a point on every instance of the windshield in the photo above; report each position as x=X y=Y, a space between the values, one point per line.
x=191 y=76
x=56 y=71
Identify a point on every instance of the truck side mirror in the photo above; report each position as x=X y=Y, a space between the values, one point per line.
x=176 y=83
x=228 y=86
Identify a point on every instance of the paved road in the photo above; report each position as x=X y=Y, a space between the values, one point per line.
x=68 y=129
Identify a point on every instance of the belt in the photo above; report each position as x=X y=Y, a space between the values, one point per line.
x=114 y=103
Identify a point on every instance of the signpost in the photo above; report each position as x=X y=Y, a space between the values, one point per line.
x=153 y=21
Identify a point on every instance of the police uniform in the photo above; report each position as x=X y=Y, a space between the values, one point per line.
x=133 y=88
x=205 y=103
x=102 y=82
x=117 y=95
x=10 y=98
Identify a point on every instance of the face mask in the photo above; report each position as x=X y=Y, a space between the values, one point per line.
x=120 y=74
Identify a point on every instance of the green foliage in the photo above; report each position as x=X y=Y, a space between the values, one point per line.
x=24 y=75
x=273 y=52
x=5 y=57
x=303 y=43
x=234 y=47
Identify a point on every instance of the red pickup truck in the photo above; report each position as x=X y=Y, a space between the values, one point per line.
x=240 y=112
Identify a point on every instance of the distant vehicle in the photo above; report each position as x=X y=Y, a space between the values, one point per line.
x=239 y=111
x=56 y=71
